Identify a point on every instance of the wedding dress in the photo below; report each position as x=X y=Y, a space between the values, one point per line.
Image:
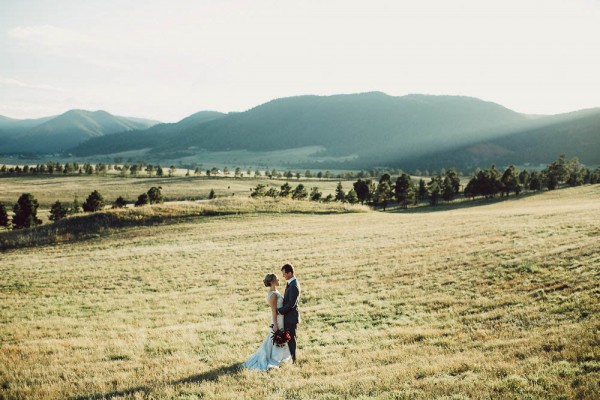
x=268 y=355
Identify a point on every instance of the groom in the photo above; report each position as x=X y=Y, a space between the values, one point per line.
x=289 y=310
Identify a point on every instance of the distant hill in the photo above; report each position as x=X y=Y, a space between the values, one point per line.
x=343 y=131
x=370 y=126
x=65 y=131
x=140 y=139
x=573 y=134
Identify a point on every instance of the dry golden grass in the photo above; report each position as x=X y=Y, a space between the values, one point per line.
x=495 y=301
x=49 y=188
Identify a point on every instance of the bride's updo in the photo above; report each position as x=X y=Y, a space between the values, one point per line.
x=269 y=279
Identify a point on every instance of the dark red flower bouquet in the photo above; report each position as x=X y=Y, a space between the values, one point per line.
x=281 y=337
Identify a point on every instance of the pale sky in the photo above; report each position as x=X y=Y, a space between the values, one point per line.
x=168 y=59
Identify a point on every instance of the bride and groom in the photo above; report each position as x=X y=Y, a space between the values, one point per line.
x=284 y=317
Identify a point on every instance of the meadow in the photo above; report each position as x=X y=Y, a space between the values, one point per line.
x=498 y=300
x=47 y=189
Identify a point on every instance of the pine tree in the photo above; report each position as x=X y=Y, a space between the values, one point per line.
x=58 y=212
x=351 y=197
x=25 y=212
x=120 y=202
x=404 y=190
x=286 y=190
x=212 y=194
x=299 y=192
x=340 y=195
x=94 y=202
x=155 y=195
x=315 y=194
x=3 y=216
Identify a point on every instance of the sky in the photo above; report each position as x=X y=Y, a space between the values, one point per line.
x=166 y=60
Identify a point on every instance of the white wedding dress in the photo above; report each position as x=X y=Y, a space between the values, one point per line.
x=268 y=355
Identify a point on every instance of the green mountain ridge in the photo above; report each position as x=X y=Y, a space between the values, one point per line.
x=65 y=131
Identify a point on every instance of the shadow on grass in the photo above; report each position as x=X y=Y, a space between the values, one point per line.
x=208 y=376
x=457 y=205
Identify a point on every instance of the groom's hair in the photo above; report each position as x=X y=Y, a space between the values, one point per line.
x=288 y=268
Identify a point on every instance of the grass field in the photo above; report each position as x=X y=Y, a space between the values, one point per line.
x=495 y=301
x=49 y=188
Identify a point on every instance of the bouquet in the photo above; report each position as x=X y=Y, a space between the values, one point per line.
x=281 y=337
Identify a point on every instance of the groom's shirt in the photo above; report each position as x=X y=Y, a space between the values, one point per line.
x=291 y=280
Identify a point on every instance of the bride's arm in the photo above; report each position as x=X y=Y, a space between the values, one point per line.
x=273 y=304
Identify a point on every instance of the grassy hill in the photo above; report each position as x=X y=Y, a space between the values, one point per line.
x=497 y=301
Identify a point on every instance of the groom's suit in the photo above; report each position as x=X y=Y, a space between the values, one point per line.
x=291 y=315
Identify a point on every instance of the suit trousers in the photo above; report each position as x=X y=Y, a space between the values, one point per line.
x=292 y=342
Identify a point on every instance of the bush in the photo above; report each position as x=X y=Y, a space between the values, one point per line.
x=142 y=200
x=120 y=202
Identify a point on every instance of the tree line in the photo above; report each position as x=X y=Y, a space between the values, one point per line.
x=445 y=186
x=26 y=207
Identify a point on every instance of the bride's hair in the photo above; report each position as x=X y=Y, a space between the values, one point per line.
x=269 y=279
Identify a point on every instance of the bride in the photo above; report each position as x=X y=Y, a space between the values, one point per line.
x=269 y=355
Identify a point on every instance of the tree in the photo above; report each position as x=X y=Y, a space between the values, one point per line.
x=159 y=171
x=422 y=192
x=299 y=192
x=435 y=189
x=58 y=212
x=308 y=174
x=524 y=178
x=142 y=200
x=237 y=172
x=25 y=212
x=259 y=191
x=94 y=202
x=404 y=190
x=315 y=194
x=75 y=207
x=212 y=195
x=510 y=181
x=535 y=181
x=454 y=180
x=556 y=172
x=384 y=192
x=286 y=190
x=225 y=171
x=272 y=192
x=363 y=190
x=340 y=195
x=3 y=216
x=155 y=195
x=172 y=170
x=120 y=202
x=447 y=189
x=150 y=169
x=351 y=197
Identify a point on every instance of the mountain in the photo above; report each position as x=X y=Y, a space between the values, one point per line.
x=65 y=131
x=370 y=127
x=140 y=139
x=11 y=123
x=574 y=134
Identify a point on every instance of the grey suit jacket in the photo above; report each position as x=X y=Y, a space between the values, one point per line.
x=289 y=310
